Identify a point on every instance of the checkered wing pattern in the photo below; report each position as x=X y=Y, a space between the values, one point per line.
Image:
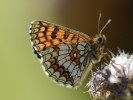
x=64 y=53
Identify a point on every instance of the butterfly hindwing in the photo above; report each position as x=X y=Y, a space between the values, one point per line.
x=65 y=63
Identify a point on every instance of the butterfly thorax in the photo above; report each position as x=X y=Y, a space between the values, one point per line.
x=97 y=45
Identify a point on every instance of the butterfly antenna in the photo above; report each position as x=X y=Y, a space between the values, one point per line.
x=100 y=15
x=105 y=25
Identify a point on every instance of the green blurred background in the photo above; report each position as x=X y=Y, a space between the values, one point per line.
x=21 y=75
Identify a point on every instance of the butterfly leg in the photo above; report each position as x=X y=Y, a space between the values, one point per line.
x=105 y=55
x=95 y=68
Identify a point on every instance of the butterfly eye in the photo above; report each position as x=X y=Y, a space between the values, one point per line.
x=100 y=40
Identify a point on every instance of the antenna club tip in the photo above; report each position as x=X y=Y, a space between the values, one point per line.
x=100 y=14
x=109 y=20
x=100 y=11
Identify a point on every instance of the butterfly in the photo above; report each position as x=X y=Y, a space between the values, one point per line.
x=66 y=55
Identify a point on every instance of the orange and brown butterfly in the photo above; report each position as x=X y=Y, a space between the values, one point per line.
x=66 y=55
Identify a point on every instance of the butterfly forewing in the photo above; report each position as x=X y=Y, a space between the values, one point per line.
x=44 y=35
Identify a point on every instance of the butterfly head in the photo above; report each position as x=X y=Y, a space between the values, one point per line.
x=100 y=39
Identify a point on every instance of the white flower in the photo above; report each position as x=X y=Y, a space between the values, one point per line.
x=115 y=79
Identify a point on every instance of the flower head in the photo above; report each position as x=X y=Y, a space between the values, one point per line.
x=115 y=81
